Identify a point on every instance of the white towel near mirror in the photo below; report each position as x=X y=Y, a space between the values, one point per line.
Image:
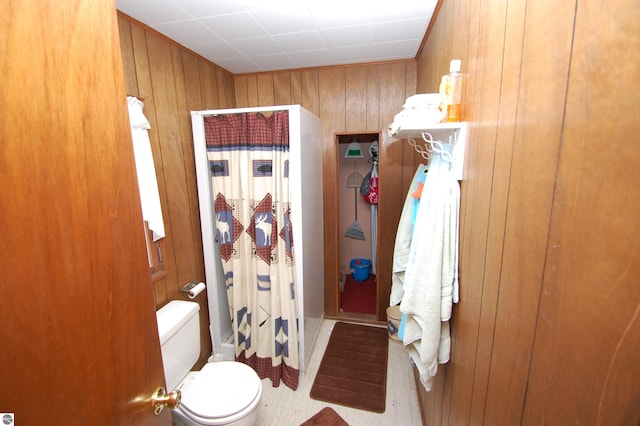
x=147 y=181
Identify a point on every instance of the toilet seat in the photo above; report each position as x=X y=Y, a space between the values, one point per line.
x=221 y=392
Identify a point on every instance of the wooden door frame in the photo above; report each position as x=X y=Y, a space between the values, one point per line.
x=365 y=137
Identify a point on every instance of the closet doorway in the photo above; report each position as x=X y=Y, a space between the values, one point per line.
x=357 y=162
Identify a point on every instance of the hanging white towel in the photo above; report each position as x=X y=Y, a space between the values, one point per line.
x=430 y=282
x=147 y=181
x=403 y=239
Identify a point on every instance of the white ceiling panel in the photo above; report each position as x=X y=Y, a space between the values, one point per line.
x=245 y=36
x=187 y=33
x=256 y=46
x=273 y=62
x=219 y=49
x=296 y=42
x=311 y=58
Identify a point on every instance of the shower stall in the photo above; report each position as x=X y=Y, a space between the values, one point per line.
x=305 y=178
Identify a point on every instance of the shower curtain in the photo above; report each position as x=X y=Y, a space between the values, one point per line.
x=249 y=162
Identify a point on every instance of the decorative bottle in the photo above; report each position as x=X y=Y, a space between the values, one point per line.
x=454 y=92
x=444 y=97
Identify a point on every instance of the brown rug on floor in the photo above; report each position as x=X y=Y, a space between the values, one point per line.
x=326 y=417
x=353 y=370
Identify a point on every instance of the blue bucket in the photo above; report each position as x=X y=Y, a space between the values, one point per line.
x=360 y=269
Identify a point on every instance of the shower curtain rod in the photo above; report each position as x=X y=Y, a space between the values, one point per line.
x=214 y=112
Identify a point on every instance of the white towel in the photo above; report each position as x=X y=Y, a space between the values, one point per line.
x=147 y=181
x=402 y=245
x=430 y=282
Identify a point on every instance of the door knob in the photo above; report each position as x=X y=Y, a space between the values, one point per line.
x=161 y=399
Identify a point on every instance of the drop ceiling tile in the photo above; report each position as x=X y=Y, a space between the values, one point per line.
x=311 y=58
x=236 y=26
x=256 y=46
x=187 y=32
x=238 y=65
x=153 y=12
x=351 y=54
x=273 y=62
x=407 y=29
x=329 y=32
x=401 y=9
x=355 y=35
x=294 y=42
x=323 y=23
x=207 y=8
x=219 y=50
x=395 y=50
x=282 y=21
x=338 y=13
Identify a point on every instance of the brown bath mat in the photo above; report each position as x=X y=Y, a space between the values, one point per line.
x=326 y=417
x=353 y=370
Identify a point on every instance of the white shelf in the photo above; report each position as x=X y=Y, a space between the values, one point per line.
x=439 y=131
x=453 y=133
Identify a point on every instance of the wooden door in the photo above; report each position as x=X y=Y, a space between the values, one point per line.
x=78 y=336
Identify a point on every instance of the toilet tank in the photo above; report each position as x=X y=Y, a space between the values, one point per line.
x=179 y=330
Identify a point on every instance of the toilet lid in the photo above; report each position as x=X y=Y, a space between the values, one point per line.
x=221 y=389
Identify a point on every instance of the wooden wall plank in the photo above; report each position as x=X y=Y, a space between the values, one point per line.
x=509 y=66
x=221 y=85
x=209 y=86
x=535 y=155
x=282 y=88
x=170 y=170
x=590 y=303
x=241 y=90
x=228 y=98
x=355 y=108
x=128 y=60
x=373 y=101
x=266 y=96
x=507 y=216
x=252 y=91
x=478 y=181
x=191 y=72
x=193 y=264
x=311 y=91
x=332 y=90
x=296 y=88
x=194 y=102
x=191 y=101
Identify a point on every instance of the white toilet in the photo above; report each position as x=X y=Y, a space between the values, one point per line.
x=222 y=393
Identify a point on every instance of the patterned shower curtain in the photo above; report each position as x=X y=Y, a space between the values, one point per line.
x=249 y=161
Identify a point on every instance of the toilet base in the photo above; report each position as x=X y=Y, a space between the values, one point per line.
x=178 y=419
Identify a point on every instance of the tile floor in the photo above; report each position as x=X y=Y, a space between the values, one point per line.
x=283 y=407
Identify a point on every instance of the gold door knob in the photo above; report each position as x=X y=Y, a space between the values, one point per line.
x=161 y=399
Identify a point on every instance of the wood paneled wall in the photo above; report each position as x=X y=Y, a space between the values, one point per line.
x=362 y=98
x=548 y=327
x=172 y=81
